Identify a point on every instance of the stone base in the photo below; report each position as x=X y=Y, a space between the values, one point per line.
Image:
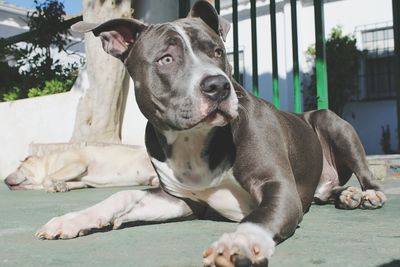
x=383 y=166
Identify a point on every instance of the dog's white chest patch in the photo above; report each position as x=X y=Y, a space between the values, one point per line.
x=224 y=194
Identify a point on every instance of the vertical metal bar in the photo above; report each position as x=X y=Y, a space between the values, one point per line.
x=235 y=40
x=275 y=71
x=295 y=51
x=320 y=60
x=184 y=7
x=217 y=6
x=396 y=33
x=253 y=15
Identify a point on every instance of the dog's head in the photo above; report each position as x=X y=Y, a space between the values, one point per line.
x=26 y=176
x=180 y=69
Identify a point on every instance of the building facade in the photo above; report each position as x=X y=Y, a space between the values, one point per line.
x=13 y=21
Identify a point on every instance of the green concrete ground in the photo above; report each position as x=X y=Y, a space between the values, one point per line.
x=326 y=237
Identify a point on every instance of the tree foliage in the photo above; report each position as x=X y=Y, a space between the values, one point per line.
x=47 y=20
x=342 y=59
x=30 y=65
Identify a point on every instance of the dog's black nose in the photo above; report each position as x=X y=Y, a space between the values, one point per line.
x=216 y=88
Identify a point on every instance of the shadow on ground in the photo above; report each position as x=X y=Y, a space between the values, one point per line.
x=326 y=237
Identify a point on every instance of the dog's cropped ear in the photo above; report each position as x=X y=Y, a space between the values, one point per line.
x=117 y=35
x=204 y=10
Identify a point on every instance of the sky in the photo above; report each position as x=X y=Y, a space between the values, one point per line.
x=71 y=6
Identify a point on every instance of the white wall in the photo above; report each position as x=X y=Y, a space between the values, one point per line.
x=47 y=119
x=134 y=123
x=50 y=119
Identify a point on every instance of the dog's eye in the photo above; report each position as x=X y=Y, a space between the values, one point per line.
x=218 y=52
x=165 y=60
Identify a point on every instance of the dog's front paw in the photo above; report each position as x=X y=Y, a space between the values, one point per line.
x=69 y=226
x=53 y=187
x=61 y=187
x=250 y=246
x=372 y=199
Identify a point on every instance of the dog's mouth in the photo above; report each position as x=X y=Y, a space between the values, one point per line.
x=16 y=185
x=218 y=118
x=202 y=114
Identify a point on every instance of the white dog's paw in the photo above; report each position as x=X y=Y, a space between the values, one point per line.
x=61 y=186
x=55 y=186
x=69 y=226
x=48 y=186
x=250 y=246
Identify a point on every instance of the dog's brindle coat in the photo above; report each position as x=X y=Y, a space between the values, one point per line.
x=215 y=145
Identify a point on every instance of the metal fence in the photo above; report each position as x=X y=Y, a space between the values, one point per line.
x=321 y=74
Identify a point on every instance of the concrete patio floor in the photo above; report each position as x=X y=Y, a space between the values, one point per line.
x=326 y=237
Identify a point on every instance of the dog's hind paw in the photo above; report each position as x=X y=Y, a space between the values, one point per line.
x=372 y=199
x=249 y=246
x=350 y=198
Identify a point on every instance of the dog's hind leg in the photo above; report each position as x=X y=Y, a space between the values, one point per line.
x=351 y=158
x=347 y=156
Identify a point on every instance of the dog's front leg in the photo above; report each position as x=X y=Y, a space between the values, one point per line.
x=124 y=206
x=253 y=243
x=57 y=181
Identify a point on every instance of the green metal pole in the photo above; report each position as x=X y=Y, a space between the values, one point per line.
x=320 y=61
x=396 y=32
x=275 y=71
x=253 y=14
x=217 y=6
x=235 y=40
x=184 y=8
x=295 y=51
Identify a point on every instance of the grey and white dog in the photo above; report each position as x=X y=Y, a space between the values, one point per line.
x=214 y=145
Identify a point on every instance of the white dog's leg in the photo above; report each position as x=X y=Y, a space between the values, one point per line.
x=75 y=185
x=61 y=186
x=132 y=205
x=55 y=182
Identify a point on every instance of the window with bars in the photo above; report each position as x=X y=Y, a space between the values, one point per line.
x=377 y=75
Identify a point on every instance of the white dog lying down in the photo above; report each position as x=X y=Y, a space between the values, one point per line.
x=90 y=166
